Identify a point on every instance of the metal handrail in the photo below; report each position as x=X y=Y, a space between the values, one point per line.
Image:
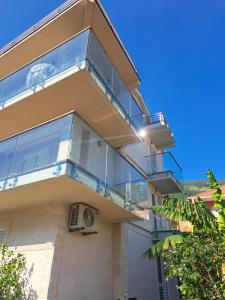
x=114 y=98
x=167 y=153
x=154 y=118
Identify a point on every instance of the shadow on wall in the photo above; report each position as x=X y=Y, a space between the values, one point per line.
x=28 y=292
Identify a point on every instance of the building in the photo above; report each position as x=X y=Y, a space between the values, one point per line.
x=207 y=196
x=75 y=129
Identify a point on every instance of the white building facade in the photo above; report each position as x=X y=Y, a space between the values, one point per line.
x=76 y=131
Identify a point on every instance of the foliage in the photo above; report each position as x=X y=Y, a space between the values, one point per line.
x=180 y=209
x=197 y=263
x=12 y=267
x=196 y=258
x=163 y=245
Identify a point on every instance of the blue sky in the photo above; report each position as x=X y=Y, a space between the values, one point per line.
x=178 y=47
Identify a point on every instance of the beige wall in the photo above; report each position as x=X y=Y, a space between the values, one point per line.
x=33 y=233
x=69 y=266
x=85 y=267
x=65 y=265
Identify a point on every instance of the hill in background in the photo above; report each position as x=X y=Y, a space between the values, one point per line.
x=193 y=187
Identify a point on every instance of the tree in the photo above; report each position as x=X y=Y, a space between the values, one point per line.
x=196 y=258
x=12 y=274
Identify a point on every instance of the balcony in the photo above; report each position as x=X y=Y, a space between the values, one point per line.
x=165 y=173
x=162 y=227
x=65 y=160
x=75 y=76
x=159 y=131
x=66 y=21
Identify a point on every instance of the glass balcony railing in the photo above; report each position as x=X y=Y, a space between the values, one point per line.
x=162 y=224
x=164 y=163
x=68 y=146
x=82 y=51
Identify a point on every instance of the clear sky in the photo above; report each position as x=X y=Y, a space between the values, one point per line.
x=178 y=47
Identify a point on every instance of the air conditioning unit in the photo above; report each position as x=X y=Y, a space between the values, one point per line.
x=83 y=218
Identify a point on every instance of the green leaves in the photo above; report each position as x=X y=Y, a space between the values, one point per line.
x=220 y=202
x=12 y=266
x=197 y=258
x=197 y=263
x=163 y=245
x=179 y=209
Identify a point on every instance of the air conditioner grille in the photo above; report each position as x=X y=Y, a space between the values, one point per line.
x=74 y=215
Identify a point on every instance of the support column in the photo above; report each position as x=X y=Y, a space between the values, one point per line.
x=120 y=261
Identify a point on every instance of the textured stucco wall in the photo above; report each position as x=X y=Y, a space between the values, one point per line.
x=64 y=265
x=83 y=264
x=33 y=233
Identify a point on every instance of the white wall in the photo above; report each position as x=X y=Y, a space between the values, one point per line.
x=138 y=152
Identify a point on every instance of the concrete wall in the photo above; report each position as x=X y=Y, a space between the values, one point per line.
x=83 y=264
x=142 y=273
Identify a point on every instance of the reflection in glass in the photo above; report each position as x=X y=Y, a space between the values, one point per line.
x=82 y=49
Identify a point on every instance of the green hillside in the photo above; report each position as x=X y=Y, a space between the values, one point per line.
x=193 y=187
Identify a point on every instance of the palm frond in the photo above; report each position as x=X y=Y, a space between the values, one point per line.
x=214 y=185
x=179 y=209
x=163 y=245
x=219 y=202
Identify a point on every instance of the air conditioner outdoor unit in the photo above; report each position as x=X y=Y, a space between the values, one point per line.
x=83 y=218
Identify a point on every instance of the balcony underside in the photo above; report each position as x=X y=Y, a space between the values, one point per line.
x=81 y=15
x=160 y=134
x=165 y=182
x=46 y=186
x=75 y=90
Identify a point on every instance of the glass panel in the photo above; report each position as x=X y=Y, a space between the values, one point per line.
x=19 y=82
x=63 y=57
x=7 y=149
x=2 y=83
x=40 y=146
x=121 y=93
x=99 y=60
x=139 y=189
x=99 y=159
x=136 y=114
x=170 y=164
x=164 y=162
x=118 y=173
x=88 y=149
x=107 y=73
x=68 y=55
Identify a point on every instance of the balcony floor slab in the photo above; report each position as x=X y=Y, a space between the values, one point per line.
x=165 y=183
x=45 y=186
x=74 y=91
